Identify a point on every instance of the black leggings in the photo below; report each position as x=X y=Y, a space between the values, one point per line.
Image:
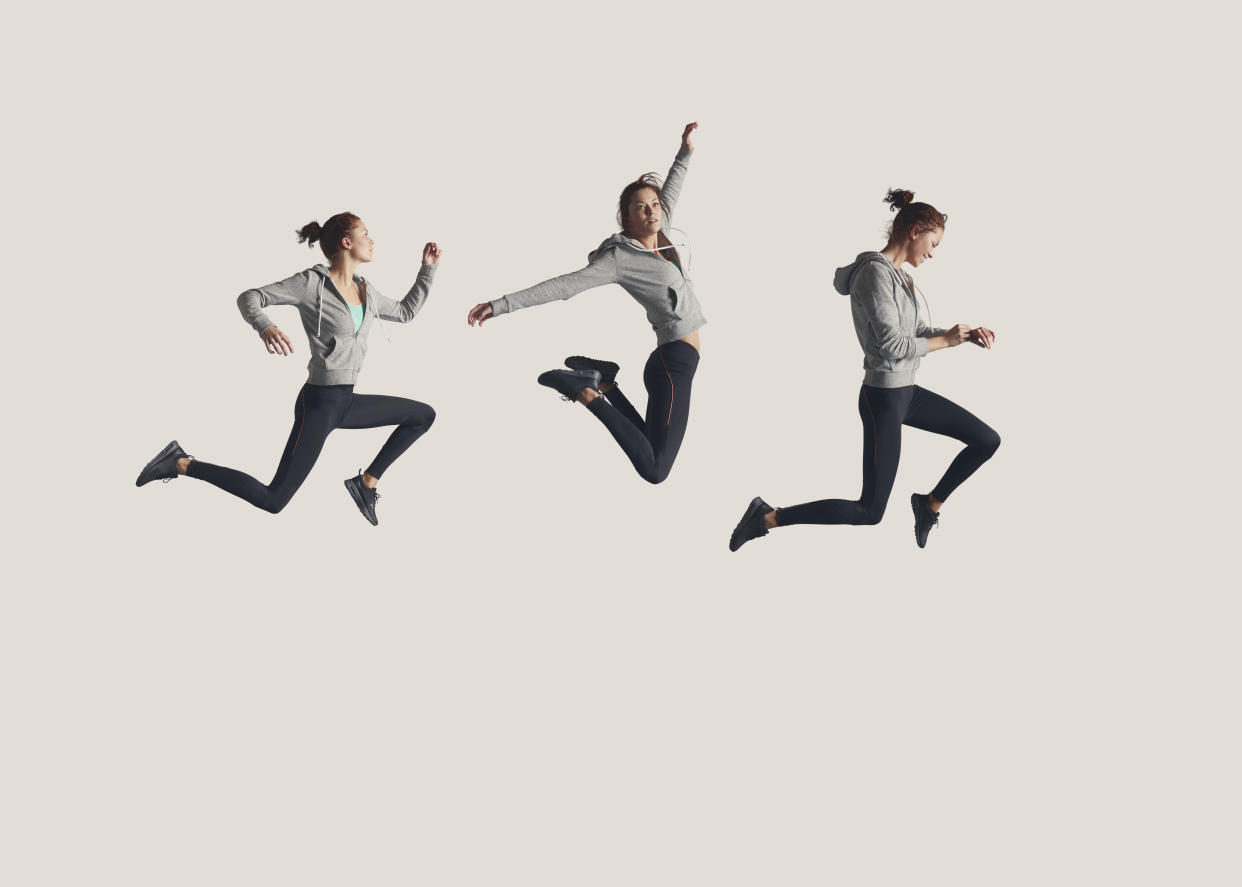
x=652 y=443
x=319 y=410
x=883 y=412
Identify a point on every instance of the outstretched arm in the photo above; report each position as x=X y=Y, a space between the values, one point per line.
x=600 y=272
x=405 y=310
x=677 y=172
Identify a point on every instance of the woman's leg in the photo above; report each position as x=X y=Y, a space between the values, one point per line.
x=411 y=417
x=314 y=412
x=881 y=411
x=623 y=405
x=939 y=415
x=652 y=447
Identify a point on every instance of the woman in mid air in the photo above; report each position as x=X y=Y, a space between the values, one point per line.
x=645 y=263
x=337 y=308
x=894 y=336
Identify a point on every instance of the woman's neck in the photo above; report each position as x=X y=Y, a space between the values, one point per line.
x=341 y=270
x=895 y=254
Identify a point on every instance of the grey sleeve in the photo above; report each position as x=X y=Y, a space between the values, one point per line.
x=404 y=311
x=874 y=292
x=600 y=272
x=290 y=291
x=673 y=181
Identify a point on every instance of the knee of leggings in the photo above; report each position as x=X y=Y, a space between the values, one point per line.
x=430 y=417
x=869 y=515
x=273 y=505
x=991 y=442
x=656 y=474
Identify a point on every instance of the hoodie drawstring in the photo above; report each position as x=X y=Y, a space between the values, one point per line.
x=689 y=249
x=319 y=294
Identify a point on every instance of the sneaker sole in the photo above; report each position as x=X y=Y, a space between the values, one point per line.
x=362 y=506
x=163 y=454
x=593 y=384
x=606 y=368
x=914 y=507
x=755 y=504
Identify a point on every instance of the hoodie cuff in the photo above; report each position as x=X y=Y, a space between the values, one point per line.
x=920 y=347
x=261 y=323
x=428 y=271
x=500 y=306
x=683 y=153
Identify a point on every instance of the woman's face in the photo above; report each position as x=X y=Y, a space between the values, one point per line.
x=923 y=245
x=358 y=243
x=644 y=214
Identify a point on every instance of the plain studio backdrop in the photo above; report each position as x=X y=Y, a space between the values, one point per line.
x=539 y=669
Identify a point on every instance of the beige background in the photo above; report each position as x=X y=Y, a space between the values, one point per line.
x=538 y=669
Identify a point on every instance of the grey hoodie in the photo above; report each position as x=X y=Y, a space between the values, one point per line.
x=886 y=318
x=337 y=352
x=655 y=283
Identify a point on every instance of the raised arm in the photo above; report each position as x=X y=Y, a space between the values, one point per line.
x=405 y=310
x=677 y=172
x=600 y=272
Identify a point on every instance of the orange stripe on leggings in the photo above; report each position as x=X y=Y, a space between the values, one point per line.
x=672 y=392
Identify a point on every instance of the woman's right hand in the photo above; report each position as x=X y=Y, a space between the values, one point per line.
x=956 y=335
x=276 y=341
x=685 y=136
x=479 y=313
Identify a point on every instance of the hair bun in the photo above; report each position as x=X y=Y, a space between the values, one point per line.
x=898 y=198
x=309 y=234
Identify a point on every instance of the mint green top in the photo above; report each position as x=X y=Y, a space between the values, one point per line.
x=357 y=311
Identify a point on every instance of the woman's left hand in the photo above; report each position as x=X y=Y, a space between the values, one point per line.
x=685 y=136
x=982 y=336
x=432 y=253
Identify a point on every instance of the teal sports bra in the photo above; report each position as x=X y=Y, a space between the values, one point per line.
x=357 y=311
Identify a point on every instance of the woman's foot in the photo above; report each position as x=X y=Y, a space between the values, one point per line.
x=606 y=368
x=365 y=497
x=924 y=518
x=165 y=465
x=570 y=383
x=753 y=524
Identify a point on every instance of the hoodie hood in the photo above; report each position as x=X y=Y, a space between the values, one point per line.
x=845 y=275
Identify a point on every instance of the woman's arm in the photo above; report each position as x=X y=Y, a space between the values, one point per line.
x=405 y=310
x=677 y=173
x=290 y=291
x=874 y=291
x=600 y=272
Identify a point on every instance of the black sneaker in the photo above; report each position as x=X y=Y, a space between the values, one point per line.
x=606 y=368
x=568 y=383
x=751 y=525
x=163 y=466
x=364 y=497
x=924 y=518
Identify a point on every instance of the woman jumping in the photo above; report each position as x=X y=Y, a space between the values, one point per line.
x=893 y=335
x=646 y=264
x=337 y=308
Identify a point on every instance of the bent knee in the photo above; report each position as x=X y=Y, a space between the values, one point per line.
x=991 y=442
x=868 y=515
